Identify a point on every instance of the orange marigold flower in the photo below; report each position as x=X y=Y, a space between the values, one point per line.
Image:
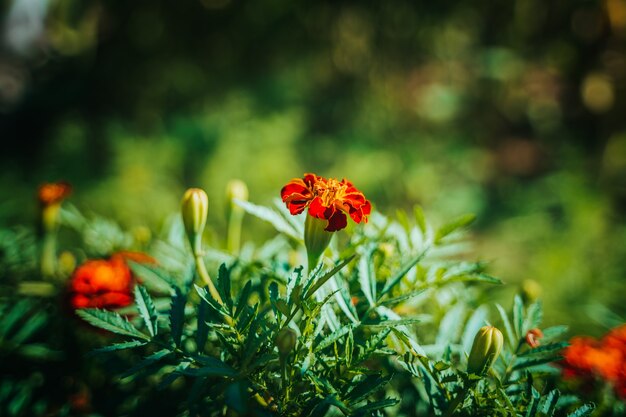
x=326 y=199
x=53 y=193
x=105 y=283
x=533 y=336
x=576 y=357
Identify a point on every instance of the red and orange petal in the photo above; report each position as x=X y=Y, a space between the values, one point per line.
x=326 y=199
x=53 y=193
x=533 y=336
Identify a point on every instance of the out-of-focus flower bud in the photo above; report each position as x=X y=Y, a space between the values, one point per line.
x=286 y=340
x=195 y=208
x=485 y=350
x=50 y=197
x=67 y=263
x=236 y=190
x=533 y=336
x=531 y=291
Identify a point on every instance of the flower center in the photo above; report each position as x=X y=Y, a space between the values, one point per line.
x=329 y=191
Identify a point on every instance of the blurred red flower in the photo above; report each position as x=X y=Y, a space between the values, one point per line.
x=588 y=358
x=53 y=193
x=105 y=283
x=326 y=199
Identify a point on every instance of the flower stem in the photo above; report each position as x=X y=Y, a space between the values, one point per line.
x=316 y=240
x=233 y=237
x=204 y=274
x=49 y=254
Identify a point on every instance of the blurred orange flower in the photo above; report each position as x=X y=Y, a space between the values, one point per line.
x=53 y=193
x=326 y=199
x=587 y=358
x=105 y=283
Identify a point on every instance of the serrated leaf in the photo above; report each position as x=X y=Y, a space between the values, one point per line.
x=548 y=403
x=401 y=298
x=270 y=216
x=177 y=316
x=223 y=285
x=243 y=298
x=110 y=321
x=147 y=310
x=202 y=331
x=118 y=346
x=402 y=272
x=544 y=349
x=367 y=386
x=458 y=223
x=507 y=326
x=376 y=405
x=146 y=362
x=553 y=332
x=333 y=337
x=534 y=317
x=324 y=278
x=392 y=323
x=583 y=411
x=210 y=367
x=528 y=362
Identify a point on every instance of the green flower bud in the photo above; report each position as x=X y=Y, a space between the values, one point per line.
x=485 y=350
x=236 y=190
x=195 y=208
x=286 y=340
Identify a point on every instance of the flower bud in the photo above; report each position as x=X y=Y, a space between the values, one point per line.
x=485 y=350
x=195 y=208
x=533 y=336
x=286 y=340
x=236 y=190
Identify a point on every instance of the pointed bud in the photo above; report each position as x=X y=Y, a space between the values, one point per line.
x=286 y=340
x=236 y=190
x=316 y=239
x=485 y=350
x=195 y=208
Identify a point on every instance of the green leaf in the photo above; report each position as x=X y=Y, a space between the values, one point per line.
x=420 y=219
x=147 y=310
x=518 y=317
x=118 y=346
x=153 y=275
x=553 y=332
x=223 y=284
x=328 y=275
x=534 y=316
x=110 y=321
x=402 y=272
x=146 y=362
x=527 y=362
x=376 y=405
x=202 y=332
x=34 y=323
x=392 y=323
x=458 y=223
x=401 y=298
x=544 y=349
x=13 y=316
x=271 y=216
x=210 y=367
x=333 y=337
x=243 y=298
x=367 y=386
x=177 y=316
x=548 y=403
x=507 y=326
x=583 y=411
x=367 y=277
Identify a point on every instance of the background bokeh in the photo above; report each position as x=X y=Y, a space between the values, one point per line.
x=514 y=111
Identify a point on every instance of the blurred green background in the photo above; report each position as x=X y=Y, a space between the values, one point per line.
x=514 y=111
